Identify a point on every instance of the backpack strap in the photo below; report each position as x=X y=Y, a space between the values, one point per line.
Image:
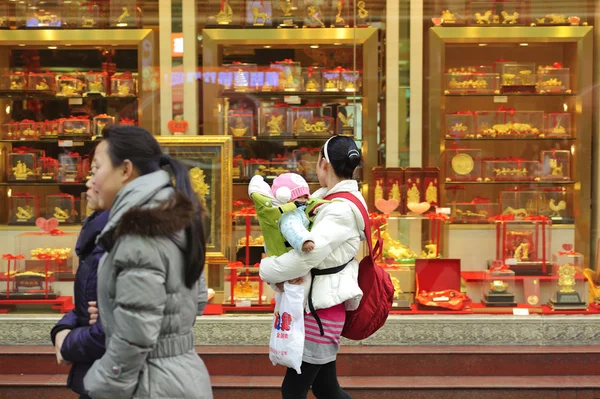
x=321 y=272
x=373 y=251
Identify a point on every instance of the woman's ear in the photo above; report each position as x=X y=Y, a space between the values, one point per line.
x=128 y=172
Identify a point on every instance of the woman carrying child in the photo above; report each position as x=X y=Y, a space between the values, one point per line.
x=336 y=232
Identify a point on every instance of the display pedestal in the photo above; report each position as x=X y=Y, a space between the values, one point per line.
x=63 y=304
x=567 y=301
x=497 y=299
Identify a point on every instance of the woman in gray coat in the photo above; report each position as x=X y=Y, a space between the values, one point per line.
x=148 y=278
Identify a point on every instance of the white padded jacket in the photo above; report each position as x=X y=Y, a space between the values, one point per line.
x=337 y=231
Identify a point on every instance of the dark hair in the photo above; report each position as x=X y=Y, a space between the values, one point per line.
x=343 y=155
x=143 y=151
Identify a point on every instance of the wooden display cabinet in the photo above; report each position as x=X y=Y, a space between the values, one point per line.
x=525 y=48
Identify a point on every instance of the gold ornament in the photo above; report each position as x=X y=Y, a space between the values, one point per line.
x=431 y=193
x=274 y=125
x=395 y=192
x=498 y=286
x=21 y=171
x=61 y=214
x=24 y=213
x=225 y=16
x=378 y=191
x=566 y=278
x=197 y=178
x=413 y=195
x=240 y=128
x=462 y=164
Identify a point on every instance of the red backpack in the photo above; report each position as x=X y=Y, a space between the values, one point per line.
x=375 y=283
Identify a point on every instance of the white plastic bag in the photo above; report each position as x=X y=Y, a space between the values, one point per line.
x=286 y=346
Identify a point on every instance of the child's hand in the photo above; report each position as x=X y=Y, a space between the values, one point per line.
x=308 y=246
x=296 y=281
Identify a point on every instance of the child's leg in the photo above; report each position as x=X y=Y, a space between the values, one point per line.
x=296 y=386
x=325 y=384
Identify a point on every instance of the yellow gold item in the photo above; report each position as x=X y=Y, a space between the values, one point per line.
x=338 y=17
x=24 y=213
x=331 y=85
x=123 y=17
x=286 y=7
x=240 y=129
x=88 y=22
x=395 y=192
x=378 y=191
x=257 y=15
x=566 y=278
x=555 y=167
x=510 y=19
x=313 y=14
x=345 y=119
x=274 y=125
x=317 y=127
x=225 y=16
x=448 y=17
x=462 y=164
x=397 y=289
x=42 y=85
x=312 y=85
x=413 y=195
x=431 y=193
x=199 y=185
x=123 y=89
x=21 y=171
x=96 y=86
x=562 y=205
x=483 y=19
x=498 y=286
x=522 y=252
x=61 y=214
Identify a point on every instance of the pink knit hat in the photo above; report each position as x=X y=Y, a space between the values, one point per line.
x=289 y=186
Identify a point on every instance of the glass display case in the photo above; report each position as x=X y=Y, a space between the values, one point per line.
x=510 y=169
x=314 y=13
x=96 y=83
x=519 y=204
x=306 y=159
x=241 y=77
x=553 y=80
x=100 y=122
x=556 y=165
x=556 y=203
x=225 y=13
x=122 y=85
x=21 y=166
x=62 y=208
x=274 y=120
x=569 y=285
x=42 y=83
x=332 y=80
x=349 y=120
x=312 y=121
x=518 y=78
x=558 y=125
x=51 y=129
x=290 y=75
x=44 y=250
x=24 y=209
x=30 y=130
x=524 y=245
x=313 y=79
x=451 y=13
x=350 y=81
x=48 y=169
x=498 y=287
x=70 y=86
x=75 y=126
x=28 y=278
x=471 y=83
x=259 y=13
x=69 y=168
x=463 y=164
x=460 y=125
x=10 y=131
x=14 y=82
x=240 y=122
x=478 y=211
x=39 y=14
x=124 y=14
x=244 y=288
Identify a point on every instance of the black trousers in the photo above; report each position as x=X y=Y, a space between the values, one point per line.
x=322 y=378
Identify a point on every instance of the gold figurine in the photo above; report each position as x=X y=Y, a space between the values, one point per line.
x=338 y=17
x=225 y=16
x=24 y=214
x=562 y=205
x=257 y=15
x=67 y=90
x=42 y=85
x=498 y=286
x=555 y=167
x=312 y=85
x=123 y=17
x=199 y=185
x=346 y=120
x=522 y=252
x=313 y=14
x=61 y=214
x=331 y=85
x=483 y=19
x=431 y=194
x=413 y=195
x=123 y=89
x=88 y=22
x=566 y=278
x=510 y=19
x=362 y=11
x=286 y=7
x=96 y=87
x=21 y=171
x=448 y=17
x=240 y=128
x=274 y=125
x=15 y=85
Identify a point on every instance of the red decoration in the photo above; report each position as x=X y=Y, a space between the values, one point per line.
x=178 y=127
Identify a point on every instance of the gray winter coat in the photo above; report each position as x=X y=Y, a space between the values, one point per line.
x=147 y=312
